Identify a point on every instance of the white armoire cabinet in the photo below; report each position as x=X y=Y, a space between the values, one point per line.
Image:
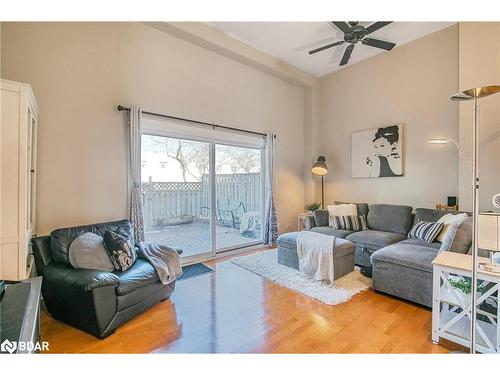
x=18 y=135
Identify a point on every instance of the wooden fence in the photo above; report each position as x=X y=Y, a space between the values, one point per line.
x=163 y=201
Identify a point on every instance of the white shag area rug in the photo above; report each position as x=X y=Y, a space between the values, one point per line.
x=266 y=264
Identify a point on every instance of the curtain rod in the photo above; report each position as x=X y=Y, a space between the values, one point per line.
x=122 y=108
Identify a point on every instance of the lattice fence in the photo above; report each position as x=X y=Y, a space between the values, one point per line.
x=165 y=203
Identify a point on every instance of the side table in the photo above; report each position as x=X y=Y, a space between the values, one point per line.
x=451 y=306
x=301 y=218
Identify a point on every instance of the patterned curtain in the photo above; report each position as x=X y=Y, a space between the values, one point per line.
x=136 y=217
x=270 y=221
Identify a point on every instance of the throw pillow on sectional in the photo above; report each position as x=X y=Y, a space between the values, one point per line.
x=458 y=237
x=120 y=250
x=448 y=220
x=88 y=252
x=349 y=222
x=341 y=210
x=426 y=230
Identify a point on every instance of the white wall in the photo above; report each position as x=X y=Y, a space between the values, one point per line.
x=479 y=63
x=410 y=85
x=80 y=72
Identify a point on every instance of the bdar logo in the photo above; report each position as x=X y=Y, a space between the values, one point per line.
x=8 y=346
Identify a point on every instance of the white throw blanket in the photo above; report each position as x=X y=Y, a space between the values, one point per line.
x=315 y=253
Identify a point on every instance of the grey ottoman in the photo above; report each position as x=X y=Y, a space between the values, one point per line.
x=343 y=260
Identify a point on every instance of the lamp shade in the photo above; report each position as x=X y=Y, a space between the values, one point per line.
x=476 y=92
x=319 y=167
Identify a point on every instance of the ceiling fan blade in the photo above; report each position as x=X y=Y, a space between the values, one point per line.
x=326 y=47
x=375 y=26
x=336 y=55
x=307 y=46
x=378 y=43
x=343 y=26
x=347 y=55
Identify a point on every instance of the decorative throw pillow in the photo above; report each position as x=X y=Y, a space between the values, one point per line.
x=447 y=220
x=120 y=250
x=458 y=237
x=426 y=230
x=353 y=222
x=87 y=251
x=341 y=210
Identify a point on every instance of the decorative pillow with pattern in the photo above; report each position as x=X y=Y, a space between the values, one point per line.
x=426 y=230
x=345 y=209
x=349 y=222
x=120 y=250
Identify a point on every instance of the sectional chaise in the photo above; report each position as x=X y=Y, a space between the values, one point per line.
x=399 y=265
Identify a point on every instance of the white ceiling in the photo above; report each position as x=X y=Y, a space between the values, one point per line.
x=290 y=41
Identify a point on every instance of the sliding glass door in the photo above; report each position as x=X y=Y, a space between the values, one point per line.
x=238 y=192
x=202 y=191
x=176 y=198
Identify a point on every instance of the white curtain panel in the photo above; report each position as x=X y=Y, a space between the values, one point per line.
x=270 y=220
x=136 y=217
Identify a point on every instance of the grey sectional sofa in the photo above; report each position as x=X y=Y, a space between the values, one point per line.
x=400 y=266
x=388 y=224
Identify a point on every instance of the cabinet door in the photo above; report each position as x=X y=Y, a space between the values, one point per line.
x=32 y=171
x=488 y=232
x=29 y=129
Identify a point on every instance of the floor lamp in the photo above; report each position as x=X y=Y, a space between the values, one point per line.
x=319 y=168
x=473 y=94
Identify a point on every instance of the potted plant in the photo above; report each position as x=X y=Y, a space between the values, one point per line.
x=311 y=207
x=463 y=287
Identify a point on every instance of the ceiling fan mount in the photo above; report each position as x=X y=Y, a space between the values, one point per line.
x=354 y=33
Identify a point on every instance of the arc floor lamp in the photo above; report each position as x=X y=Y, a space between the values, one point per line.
x=473 y=94
x=319 y=168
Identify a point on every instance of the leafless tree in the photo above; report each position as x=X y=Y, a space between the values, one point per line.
x=193 y=160
x=240 y=159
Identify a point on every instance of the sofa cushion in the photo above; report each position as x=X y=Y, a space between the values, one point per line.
x=61 y=239
x=340 y=233
x=406 y=255
x=375 y=238
x=390 y=218
x=138 y=276
x=414 y=241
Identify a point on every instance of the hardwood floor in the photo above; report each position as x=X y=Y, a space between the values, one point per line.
x=235 y=311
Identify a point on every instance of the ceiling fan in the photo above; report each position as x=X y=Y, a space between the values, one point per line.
x=354 y=33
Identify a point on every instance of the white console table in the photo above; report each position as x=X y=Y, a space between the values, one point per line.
x=451 y=315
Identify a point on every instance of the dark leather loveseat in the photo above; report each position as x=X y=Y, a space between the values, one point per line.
x=94 y=301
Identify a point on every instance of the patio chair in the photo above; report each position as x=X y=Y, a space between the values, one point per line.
x=230 y=211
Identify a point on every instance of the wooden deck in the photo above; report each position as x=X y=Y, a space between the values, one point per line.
x=194 y=238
